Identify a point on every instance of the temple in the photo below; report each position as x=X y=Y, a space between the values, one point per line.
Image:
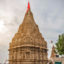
x=53 y=53
x=28 y=46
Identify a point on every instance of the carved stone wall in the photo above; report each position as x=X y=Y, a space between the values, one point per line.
x=30 y=55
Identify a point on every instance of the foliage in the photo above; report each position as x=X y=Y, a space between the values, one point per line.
x=60 y=45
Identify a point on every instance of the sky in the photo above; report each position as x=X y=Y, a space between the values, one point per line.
x=48 y=15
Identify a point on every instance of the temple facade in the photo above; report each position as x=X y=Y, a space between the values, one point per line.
x=28 y=46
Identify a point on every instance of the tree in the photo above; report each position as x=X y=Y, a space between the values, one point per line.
x=60 y=45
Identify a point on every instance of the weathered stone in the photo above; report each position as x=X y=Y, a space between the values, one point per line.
x=28 y=46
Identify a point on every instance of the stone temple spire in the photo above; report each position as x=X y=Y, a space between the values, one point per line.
x=53 y=53
x=28 y=46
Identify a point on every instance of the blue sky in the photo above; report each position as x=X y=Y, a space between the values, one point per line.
x=48 y=14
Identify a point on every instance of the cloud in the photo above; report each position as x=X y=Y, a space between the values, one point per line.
x=48 y=14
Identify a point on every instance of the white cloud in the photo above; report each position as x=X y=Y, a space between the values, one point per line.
x=48 y=14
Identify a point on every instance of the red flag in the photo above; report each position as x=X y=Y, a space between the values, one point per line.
x=28 y=5
x=28 y=8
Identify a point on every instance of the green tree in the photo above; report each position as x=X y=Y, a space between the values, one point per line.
x=60 y=45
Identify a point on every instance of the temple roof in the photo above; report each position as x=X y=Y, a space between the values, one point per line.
x=28 y=32
x=53 y=53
